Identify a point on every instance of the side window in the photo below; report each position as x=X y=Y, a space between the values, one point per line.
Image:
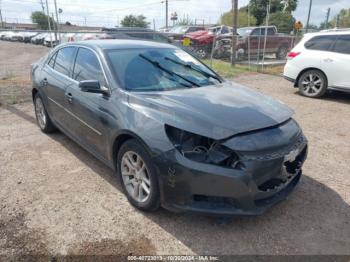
x=87 y=67
x=270 y=31
x=51 y=63
x=64 y=59
x=342 y=45
x=225 y=30
x=258 y=31
x=322 y=43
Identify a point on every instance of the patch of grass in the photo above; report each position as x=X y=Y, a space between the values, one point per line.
x=225 y=69
x=273 y=70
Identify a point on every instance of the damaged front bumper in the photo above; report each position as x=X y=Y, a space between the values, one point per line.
x=257 y=183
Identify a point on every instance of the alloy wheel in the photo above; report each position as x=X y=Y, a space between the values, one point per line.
x=312 y=84
x=282 y=53
x=135 y=176
x=201 y=53
x=40 y=113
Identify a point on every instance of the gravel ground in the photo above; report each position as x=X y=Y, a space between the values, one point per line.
x=56 y=198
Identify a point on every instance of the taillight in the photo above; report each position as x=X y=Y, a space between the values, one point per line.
x=292 y=55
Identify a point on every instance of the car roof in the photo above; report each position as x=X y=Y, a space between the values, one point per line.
x=329 y=32
x=119 y=44
x=127 y=29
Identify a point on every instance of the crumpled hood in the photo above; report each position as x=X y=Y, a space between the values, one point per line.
x=218 y=111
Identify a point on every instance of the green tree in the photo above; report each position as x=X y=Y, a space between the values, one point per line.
x=258 y=8
x=226 y=18
x=344 y=19
x=134 y=21
x=284 y=21
x=40 y=19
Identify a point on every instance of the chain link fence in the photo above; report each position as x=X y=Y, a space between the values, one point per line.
x=256 y=52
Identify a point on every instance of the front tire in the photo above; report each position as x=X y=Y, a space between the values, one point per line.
x=138 y=176
x=312 y=83
x=42 y=118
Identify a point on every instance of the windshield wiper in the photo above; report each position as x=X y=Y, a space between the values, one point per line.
x=158 y=65
x=193 y=68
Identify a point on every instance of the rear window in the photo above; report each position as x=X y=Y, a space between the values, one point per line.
x=321 y=43
x=342 y=45
x=64 y=58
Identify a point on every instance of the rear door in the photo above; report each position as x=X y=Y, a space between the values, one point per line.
x=55 y=77
x=336 y=64
x=89 y=109
x=319 y=54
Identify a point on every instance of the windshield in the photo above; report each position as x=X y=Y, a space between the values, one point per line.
x=159 y=69
x=179 y=29
x=244 y=31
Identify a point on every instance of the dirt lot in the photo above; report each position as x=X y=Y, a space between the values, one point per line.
x=55 y=198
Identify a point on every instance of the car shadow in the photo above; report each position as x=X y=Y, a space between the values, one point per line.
x=333 y=96
x=313 y=220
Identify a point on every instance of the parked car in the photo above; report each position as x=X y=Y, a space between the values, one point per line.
x=38 y=39
x=201 y=42
x=8 y=35
x=320 y=62
x=17 y=36
x=2 y=35
x=51 y=39
x=252 y=40
x=177 y=33
x=159 y=118
x=28 y=36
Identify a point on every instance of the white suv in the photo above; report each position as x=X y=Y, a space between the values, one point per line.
x=320 y=61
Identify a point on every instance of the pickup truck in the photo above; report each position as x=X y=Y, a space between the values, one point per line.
x=201 y=42
x=252 y=39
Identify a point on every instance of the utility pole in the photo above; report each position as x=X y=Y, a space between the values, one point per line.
x=308 y=17
x=42 y=6
x=327 y=18
x=57 y=23
x=1 y=21
x=166 y=13
x=234 y=31
x=54 y=26
x=48 y=20
x=337 y=23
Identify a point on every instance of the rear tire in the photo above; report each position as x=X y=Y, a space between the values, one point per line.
x=312 y=83
x=282 y=53
x=138 y=176
x=42 y=118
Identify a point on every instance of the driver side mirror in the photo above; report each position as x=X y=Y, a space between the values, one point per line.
x=92 y=86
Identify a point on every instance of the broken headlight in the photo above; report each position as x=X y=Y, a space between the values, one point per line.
x=201 y=149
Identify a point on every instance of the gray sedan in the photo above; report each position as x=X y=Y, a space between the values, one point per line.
x=176 y=133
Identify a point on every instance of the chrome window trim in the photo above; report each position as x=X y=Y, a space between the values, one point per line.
x=79 y=46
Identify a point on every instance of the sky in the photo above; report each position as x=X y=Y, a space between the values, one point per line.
x=109 y=13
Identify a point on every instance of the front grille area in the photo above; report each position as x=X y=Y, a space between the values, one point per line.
x=299 y=143
x=213 y=202
x=290 y=170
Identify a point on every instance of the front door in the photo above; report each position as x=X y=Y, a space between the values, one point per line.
x=89 y=109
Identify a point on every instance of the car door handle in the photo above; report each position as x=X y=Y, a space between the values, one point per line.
x=44 y=82
x=69 y=97
x=328 y=60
